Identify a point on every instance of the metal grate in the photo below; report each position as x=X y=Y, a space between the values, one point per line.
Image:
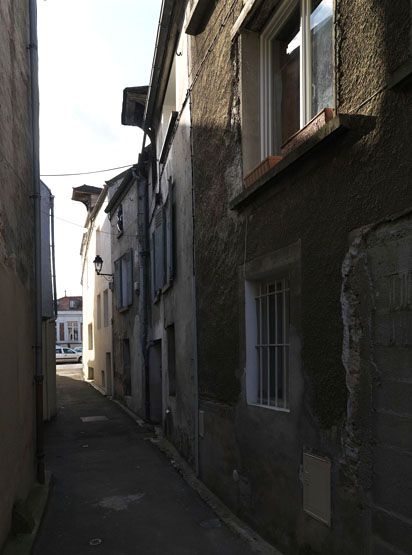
x=272 y=347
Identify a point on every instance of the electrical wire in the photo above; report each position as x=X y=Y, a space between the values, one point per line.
x=83 y=173
x=85 y=229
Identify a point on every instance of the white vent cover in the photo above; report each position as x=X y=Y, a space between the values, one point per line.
x=316 y=487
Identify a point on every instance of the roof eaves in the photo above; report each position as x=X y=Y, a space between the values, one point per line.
x=168 y=33
x=123 y=187
x=99 y=203
x=134 y=104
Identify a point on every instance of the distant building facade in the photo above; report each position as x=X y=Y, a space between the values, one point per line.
x=69 y=322
x=97 y=290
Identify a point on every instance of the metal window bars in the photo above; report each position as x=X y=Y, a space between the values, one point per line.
x=272 y=347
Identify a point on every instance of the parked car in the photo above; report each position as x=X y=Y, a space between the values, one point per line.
x=65 y=354
x=79 y=350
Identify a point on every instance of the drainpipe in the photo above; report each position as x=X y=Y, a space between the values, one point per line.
x=38 y=376
x=194 y=301
x=142 y=222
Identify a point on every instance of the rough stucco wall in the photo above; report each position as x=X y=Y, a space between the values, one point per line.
x=216 y=173
x=357 y=179
x=17 y=461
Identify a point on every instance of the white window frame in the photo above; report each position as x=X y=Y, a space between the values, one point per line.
x=267 y=93
x=254 y=349
x=73 y=329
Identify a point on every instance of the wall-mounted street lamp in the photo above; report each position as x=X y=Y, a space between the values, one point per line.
x=98 y=265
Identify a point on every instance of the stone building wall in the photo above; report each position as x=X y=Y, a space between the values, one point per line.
x=17 y=411
x=128 y=364
x=250 y=456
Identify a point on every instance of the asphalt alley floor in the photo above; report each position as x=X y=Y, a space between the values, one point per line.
x=114 y=492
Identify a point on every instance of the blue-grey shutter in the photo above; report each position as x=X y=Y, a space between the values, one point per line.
x=129 y=277
x=170 y=236
x=152 y=264
x=159 y=252
x=117 y=284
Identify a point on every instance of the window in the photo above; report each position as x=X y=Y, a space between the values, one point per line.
x=163 y=245
x=106 y=308
x=170 y=235
x=74 y=304
x=296 y=53
x=158 y=253
x=123 y=280
x=267 y=327
x=73 y=331
x=119 y=221
x=61 y=331
x=90 y=333
x=127 y=365
x=98 y=312
x=171 y=358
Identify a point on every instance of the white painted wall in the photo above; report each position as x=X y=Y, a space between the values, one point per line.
x=97 y=356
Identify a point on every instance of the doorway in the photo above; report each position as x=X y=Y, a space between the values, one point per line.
x=109 y=382
x=155 y=382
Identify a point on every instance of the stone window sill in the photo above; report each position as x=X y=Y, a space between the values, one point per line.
x=333 y=128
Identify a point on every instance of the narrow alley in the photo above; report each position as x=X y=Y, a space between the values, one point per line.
x=113 y=491
x=206 y=226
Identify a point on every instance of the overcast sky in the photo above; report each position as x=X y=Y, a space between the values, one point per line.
x=89 y=51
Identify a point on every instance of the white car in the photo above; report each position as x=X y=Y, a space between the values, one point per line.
x=64 y=354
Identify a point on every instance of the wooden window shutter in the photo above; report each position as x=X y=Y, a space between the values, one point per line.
x=159 y=251
x=170 y=237
x=118 y=284
x=152 y=264
x=129 y=277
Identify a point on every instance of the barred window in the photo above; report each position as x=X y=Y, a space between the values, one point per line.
x=267 y=330
x=272 y=346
